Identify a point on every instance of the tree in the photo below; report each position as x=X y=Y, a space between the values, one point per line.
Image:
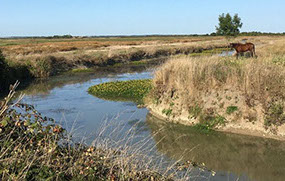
x=229 y=26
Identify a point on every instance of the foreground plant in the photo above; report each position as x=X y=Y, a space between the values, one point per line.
x=34 y=147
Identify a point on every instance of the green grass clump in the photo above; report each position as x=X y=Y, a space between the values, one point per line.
x=132 y=90
x=231 y=109
x=209 y=122
x=167 y=112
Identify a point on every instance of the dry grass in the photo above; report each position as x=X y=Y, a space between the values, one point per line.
x=33 y=46
x=215 y=87
x=43 y=57
x=45 y=63
x=188 y=76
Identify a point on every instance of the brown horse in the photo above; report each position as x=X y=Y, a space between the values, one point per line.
x=241 y=48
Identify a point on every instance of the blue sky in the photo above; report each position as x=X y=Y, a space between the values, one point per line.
x=134 y=17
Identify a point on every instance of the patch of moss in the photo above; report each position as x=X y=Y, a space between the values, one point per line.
x=132 y=90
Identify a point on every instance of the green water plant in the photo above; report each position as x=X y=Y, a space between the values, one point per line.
x=131 y=90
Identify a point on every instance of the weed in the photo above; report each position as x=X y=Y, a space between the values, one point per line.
x=167 y=112
x=231 y=109
x=194 y=111
x=275 y=114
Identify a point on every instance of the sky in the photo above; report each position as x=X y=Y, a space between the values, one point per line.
x=134 y=17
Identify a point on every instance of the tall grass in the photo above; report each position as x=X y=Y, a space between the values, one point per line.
x=214 y=82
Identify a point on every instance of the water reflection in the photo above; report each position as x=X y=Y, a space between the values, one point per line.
x=42 y=87
x=249 y=158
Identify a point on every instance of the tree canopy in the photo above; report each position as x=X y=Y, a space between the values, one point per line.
x=228 y=25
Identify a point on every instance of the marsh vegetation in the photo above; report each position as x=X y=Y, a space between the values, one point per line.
x=203 y=89
x=132 y=90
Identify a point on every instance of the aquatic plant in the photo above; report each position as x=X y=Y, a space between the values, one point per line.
x=131 y=90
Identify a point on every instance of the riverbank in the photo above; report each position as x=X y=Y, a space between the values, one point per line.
x=241 y=96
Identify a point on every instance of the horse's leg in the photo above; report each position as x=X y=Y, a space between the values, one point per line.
x=253 y=52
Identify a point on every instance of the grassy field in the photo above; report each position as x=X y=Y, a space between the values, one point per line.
x=46 y=57
x=30 y=58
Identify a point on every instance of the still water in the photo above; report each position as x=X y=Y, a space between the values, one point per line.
x=232 y=157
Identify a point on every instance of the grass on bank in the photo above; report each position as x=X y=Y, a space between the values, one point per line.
x=223 y=88
x=131 y=90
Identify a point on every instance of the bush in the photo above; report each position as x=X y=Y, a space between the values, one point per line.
x=3 y=72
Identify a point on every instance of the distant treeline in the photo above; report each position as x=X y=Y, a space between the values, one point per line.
x=255 y=33
x=252 y=33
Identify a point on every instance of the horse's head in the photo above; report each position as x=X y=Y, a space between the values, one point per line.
x=232 y=45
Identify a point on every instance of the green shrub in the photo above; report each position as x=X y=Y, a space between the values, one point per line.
x=10 y=73
x=3 y=67
x=41 y=67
